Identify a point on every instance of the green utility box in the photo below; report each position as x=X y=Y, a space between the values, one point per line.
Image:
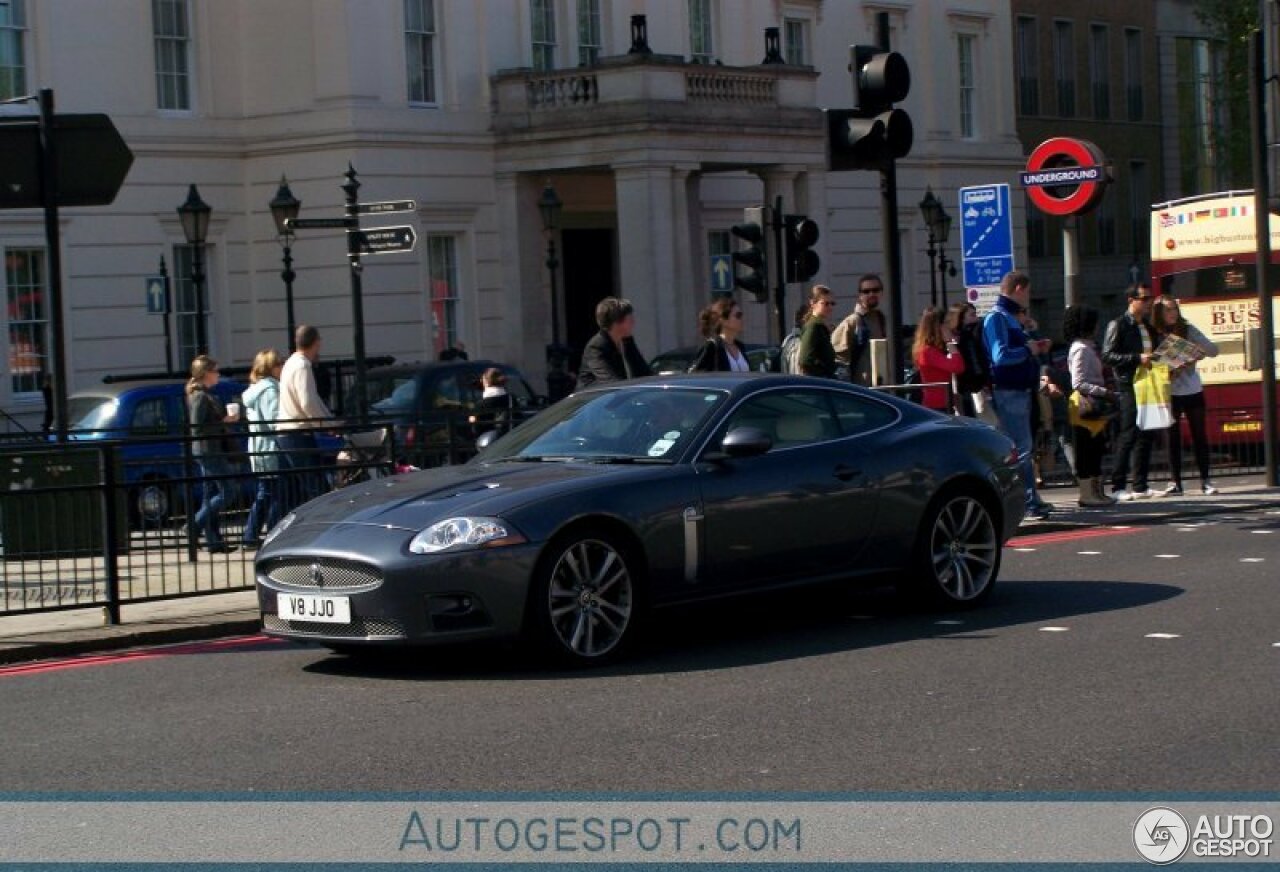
x=51 y=504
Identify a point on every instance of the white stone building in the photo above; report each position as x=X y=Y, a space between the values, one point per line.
x=470 y=107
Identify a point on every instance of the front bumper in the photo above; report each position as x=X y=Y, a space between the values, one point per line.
x=395 y=597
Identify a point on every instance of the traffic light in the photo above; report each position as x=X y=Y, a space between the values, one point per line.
x=800 y=235
x=873 y=132
x=754 y=275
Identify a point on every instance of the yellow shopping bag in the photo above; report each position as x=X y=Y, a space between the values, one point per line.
x=1154 y=395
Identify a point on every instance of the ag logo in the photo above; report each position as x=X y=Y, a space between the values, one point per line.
x=1161 y=836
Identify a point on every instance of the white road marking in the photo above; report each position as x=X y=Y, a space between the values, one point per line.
x=1168 y=556
x=1262 y=532
x=948 y=623
x=1162 y=636
x=1275 y=644
x=1252 y=559
x=1088 y=553
x=1024 y=550
x=1054 y=629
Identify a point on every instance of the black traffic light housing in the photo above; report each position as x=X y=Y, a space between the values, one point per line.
x=873 y=132
x=800 y=234
x=752 y=260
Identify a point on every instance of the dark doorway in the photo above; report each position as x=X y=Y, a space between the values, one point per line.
x=588 y=279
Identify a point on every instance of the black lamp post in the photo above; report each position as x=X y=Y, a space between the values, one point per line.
x=194 y=215
x=284 y=208
x=939 y=224
x=559 y=382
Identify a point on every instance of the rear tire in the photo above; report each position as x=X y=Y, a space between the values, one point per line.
x=957 y=555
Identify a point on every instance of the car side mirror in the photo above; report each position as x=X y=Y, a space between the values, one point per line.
x=484 y=440
x=745 y=442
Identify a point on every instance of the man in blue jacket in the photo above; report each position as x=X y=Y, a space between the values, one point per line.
x=1015 y=376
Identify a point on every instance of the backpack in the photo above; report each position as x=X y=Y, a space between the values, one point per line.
x=790 y=356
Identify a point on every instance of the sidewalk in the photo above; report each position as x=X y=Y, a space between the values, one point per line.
x=62 y=634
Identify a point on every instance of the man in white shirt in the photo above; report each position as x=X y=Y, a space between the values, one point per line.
x=301 y=411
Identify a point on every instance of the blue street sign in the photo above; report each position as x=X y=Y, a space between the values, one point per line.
x=722 y=273
x=157 y=296
x=986 y=235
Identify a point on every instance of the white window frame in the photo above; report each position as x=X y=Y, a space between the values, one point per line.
x=544 y=48
x=32 y=395
x=589 y=17
x=181 y=254
x=704 y=10
x=1100 y=69
x=966 y=95
x=805 y=27
x=14 y=30
x=187 y=44
x=428 y=35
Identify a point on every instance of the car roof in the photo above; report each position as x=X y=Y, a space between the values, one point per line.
x=734 y=382
x=117 y=389
x=436 y=366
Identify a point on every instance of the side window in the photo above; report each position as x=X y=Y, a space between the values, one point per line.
x=861 y=415
x=789 y=418
x=451 y=393
x=150 y=418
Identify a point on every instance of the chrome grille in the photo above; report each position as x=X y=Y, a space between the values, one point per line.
x=324 y=574
x=359 y=628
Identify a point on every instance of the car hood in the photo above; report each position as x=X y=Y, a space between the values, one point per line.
x=419 y=498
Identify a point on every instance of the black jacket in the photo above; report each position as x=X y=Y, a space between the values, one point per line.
x=603 y=363
x=714 y=357
x=1122 y=348
x=208 y=425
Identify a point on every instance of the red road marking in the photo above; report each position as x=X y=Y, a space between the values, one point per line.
x=1069 y=536
x=138 y=654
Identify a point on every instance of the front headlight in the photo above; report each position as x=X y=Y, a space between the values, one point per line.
x=456 y=533
x=279 y=528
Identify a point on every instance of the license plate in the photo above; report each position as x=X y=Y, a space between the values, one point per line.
x=1241 y=426
x=321 y=609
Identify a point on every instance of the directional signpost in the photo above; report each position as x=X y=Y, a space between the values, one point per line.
x=986 y=239
x=722 y=273
x=386 y=240
x=386 y=207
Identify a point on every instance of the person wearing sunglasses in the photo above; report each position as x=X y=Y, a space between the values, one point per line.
x=817 y=357
x=721 y=325
x=1127 y=347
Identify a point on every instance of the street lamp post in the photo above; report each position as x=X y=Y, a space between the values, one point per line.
x=194 y=215
x=939 y=224
x=559 y=382
x=284 y=208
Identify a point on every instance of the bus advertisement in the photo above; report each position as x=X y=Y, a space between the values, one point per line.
x=1203 y=253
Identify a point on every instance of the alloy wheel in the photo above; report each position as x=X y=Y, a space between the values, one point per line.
x=963 y=549
x=590 y=599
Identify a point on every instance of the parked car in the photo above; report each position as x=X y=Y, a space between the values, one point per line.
x=431 y=405
x=644 y=494
x=763 y=358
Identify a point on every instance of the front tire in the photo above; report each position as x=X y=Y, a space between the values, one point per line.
x=586 y=602
x=957 y=555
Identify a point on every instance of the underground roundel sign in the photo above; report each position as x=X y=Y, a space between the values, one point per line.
x=1066 y=176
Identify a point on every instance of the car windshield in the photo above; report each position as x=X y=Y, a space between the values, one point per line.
x=651 y=425
x=91 y=413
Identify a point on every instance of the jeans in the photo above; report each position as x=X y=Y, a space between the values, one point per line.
x=265 y=511
x=206 y=520
x=1133 y=446
x=1013 y=408
x=297 y=456
x=1191 y=405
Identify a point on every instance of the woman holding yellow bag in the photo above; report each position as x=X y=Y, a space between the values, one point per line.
x=1090 y=405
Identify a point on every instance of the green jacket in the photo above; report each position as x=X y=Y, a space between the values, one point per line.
x=817 y=357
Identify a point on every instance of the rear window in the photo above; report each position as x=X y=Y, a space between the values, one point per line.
x=91 y=413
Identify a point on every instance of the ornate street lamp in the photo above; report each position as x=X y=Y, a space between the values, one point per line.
x=939 y=224
x=194 y=215
x=284 y=208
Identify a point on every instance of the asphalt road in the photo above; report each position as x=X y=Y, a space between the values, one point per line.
x=1059 y=683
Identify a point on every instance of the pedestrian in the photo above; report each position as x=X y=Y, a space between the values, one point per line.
x=302 y=411
x=211 y=446
x=852 y=337
x=971 y=385
x=1188 y=395
x=720 y=324
x=1127 y=347
x=817 y=357
x=936 y=353
x=789 y=351
x=1088 y=403
x=1015 y=376
x=261 y=408
x=494 y=411
x=611 y=355
x=455 y=351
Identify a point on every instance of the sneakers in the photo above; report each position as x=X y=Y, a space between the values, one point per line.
x=1208 y=488
x=1121 y=495
x=1039 y=513
x=1173 y=490
x=1144 y=494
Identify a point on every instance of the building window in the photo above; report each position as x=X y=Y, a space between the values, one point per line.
x=1100 y=71
x=1036 y=240
x=795 y=42
x=965 y=78
x=543 y=16
x=1139 y=208
x=589 y=31
x=185 y=303
x=1200 y=76
x=24 y=276
x=1064 y=67
x=172 y=24
x=442 y=268
x=1028 y=49
x=1133 y=72
x=1105 y=221
x=13 y=62
x=420 y=49
x=701 y=41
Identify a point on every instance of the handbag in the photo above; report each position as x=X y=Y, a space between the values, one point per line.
x=1154 y=396
x=1092 y=408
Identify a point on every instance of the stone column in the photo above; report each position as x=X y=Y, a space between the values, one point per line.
x=647 y=253
x=690 y=257
x=528 y=299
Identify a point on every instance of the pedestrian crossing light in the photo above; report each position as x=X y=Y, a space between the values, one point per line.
x=801 y=234
x=873 y=132
x=752 y=275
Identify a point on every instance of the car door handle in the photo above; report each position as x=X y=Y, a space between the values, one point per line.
x=846 y=473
